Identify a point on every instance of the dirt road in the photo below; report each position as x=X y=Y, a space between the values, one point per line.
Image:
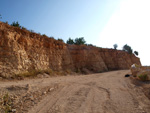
x=108 y=92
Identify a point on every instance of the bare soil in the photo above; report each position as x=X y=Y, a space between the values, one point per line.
x=108 y=92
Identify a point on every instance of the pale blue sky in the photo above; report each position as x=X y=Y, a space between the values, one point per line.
x=100 y=22
x=60 y=18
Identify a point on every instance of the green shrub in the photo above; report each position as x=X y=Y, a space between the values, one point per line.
x=89 y=44
x=16 y=24
x=80 y=41
x=70 y=41
x=115 y=46
x=24 y=28
x=136 y=53
x=143 y=77
x=61 y=40
x=44 y=35
x=128 y=49
x=77 y=41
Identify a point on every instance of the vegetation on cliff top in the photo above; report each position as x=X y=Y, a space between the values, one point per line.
x=115 y=46
x=77 y=41
x=128 y=49
x=16 y=24
x=136 y=53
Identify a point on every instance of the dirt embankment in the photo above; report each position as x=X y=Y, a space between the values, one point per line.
x=21 y=51
x=108 y=92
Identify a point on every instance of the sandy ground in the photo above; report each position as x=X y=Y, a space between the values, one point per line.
x=108 y=92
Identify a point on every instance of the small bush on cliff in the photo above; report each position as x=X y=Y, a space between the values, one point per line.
x=80 y=41
x=24 y=28
x=16 y=24
x=44 y=35
x=70 y=41
x=115 y=46
x=89 y=44
x=61 y=40
x=77 y=41
x=136 y=53
x=128 y=49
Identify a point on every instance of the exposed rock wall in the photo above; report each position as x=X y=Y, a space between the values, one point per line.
x=21 y=50
x=100 y=59
x=117 y=59
x=87 y=57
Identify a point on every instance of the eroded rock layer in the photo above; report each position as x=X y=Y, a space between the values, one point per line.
x=21 y=50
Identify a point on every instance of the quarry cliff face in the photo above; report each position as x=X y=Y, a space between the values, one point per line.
x=100 y=59
x=21 y=50
x=87 y=57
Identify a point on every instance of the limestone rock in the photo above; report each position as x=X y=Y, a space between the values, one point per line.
x=21 y=51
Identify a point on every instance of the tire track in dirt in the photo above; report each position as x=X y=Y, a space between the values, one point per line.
x=107 y=92
x=74 y=98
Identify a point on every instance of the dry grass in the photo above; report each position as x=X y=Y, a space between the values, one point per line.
x=6 y=103
x=143 y=77
x=34 y=73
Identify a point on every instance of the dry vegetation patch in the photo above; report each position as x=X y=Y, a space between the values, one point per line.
x=19 y=99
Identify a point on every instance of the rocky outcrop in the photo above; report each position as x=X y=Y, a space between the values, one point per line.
x=21 y=50
x=118 y=59
x=87 y=57
x=100 y=59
